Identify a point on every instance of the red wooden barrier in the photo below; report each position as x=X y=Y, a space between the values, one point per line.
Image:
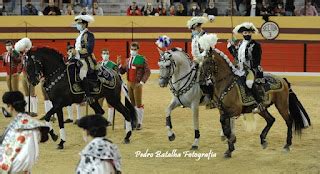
x=313 y=58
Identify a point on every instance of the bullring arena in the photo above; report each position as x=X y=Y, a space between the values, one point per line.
x=294 y=50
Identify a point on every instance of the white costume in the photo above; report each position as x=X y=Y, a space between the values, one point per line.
x=100 y=156
x=19 y=148
x=197 y=54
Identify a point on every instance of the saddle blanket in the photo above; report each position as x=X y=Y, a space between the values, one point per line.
x=271 y=84
x=103 y=78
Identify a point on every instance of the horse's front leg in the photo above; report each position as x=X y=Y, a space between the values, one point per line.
x=171 y=107
x=97 y=107
x=47 y=117
x=195 y=113
x=225 y=123
x=232 y=125
x=61 y=126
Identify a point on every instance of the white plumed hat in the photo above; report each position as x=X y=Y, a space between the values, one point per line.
x=163 y=41
x=196 y=20
x=208 y=40
x=23 y=44
x=86 y=18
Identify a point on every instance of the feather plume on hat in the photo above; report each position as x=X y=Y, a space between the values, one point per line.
x=23 y=44
x=208 y=40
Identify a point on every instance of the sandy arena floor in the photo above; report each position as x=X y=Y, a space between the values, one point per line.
x=248 y=157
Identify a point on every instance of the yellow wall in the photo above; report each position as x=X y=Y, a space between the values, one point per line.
x=145 y=22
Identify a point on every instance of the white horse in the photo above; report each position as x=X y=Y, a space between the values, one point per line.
x=177 y=70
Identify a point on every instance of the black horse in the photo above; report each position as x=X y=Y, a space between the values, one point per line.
x=49 y=63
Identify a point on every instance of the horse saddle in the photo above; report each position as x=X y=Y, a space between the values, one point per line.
x=267 y=85
x=103 y=77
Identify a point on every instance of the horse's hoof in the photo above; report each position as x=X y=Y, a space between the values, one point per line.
x=264 y=145
x=126 y=141
x=172 y=137
x=60 y=147
x=286 y=148
x=194 y=148
x=227 y=155
x=223 y=138
x=54 y=137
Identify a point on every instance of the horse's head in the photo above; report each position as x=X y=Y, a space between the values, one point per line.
x=43 y=61
x=34 y=67
x=166 y=65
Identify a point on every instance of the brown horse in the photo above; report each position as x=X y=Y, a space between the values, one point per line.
x=228 y=100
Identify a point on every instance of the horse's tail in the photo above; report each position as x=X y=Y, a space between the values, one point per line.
x=128 y=104
x=299 y=115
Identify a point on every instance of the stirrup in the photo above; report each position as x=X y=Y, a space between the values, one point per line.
x=89 y=99
x=258 y=109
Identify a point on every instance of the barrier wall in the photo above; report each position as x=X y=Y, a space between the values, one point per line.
x=297 y=48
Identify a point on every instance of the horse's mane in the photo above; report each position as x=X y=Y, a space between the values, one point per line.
x=45 y=50
x=226 y=59
x=178 y=49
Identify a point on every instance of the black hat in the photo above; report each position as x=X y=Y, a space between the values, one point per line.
x=12 y=97
x=9 y=42
x=245 y=26
x=94 y=124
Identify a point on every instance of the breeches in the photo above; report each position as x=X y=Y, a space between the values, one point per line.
x=83 y=69
x=135 y=93
x=14 y=82
x=25 y=85
x=249 y=79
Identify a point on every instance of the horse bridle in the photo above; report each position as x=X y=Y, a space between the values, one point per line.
x=168 y=68
x=38 y=67
x=187 y=86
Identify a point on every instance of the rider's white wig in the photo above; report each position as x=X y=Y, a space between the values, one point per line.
x=84 y=18
x=163 y=41
x=194 y=21
x=246 y=26
x=23 y=44
x=208 y=40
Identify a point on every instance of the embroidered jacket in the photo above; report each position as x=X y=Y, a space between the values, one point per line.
x=252 y=53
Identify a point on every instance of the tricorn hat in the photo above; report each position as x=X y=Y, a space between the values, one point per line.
x=246 y=26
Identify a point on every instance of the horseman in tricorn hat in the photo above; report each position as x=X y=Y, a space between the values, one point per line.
x=84 y=47
x=247 y=55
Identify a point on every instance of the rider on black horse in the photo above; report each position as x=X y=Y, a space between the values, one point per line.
x=84 y=52
x=247 y=55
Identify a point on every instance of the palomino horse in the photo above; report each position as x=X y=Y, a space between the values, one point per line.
x=49 y=63
x=177 y=70
x=229 y=102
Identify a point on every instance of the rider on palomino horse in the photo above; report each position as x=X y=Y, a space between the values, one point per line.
x=195 y=24
x=84 y=47
x=247 y=56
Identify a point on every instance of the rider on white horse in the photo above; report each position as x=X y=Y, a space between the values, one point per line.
x=195 y=24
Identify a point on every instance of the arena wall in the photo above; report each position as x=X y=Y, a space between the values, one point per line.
x=296 y=49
